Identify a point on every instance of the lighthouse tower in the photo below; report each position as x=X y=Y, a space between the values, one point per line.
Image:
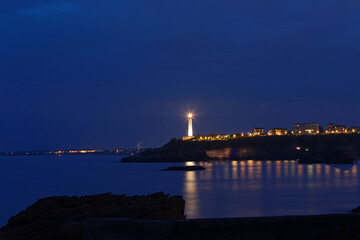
x=190 y=128
x=190 y=134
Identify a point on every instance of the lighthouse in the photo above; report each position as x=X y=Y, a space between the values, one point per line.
x=190 y=128
x=190 y=134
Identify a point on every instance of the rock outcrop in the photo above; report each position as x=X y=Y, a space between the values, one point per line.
x=60 y=217
x=185 y=168
x=315 y=227
x=156 y=155
x=356 y=210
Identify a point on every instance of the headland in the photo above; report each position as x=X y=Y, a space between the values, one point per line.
x=330 y=148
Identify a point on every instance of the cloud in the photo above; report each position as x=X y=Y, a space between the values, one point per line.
x=45 y=10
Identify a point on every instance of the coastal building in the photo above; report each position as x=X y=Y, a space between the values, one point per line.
x=305 y=128
x=278 y=131
x=212 y=137
x=258 y=131
x=353 y=129
x=333 y=128
x=222 y=136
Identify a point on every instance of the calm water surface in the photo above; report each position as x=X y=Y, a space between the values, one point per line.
x=224 y=189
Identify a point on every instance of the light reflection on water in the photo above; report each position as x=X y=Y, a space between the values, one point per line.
x=191 y=191
x=225 y=189
x=263 y=188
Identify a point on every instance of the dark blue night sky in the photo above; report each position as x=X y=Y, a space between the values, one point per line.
x=108 y=74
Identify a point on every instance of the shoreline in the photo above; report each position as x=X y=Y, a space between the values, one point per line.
x=325 y=226
x=162 y=216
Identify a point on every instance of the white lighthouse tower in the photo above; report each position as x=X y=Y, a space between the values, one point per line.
x=190 y=134
x=190 y=128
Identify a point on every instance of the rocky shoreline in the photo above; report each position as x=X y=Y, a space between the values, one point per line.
x=160 y=216
x=313 y=227
x=61 y=217
x=342 y=148
x=185 y=168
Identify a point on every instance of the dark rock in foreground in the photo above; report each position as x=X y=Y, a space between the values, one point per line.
x=185 y=168
x=316 y=227
x=60 y=217
x=355 y=210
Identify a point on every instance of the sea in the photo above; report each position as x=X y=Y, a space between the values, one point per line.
x=226 y=189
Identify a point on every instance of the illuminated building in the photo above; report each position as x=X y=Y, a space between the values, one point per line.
x=223 y=136
x=332 y=128
x=278 y=131
x=258 y=131
x=354 y=130
x=212 y=137
x=305 y=128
